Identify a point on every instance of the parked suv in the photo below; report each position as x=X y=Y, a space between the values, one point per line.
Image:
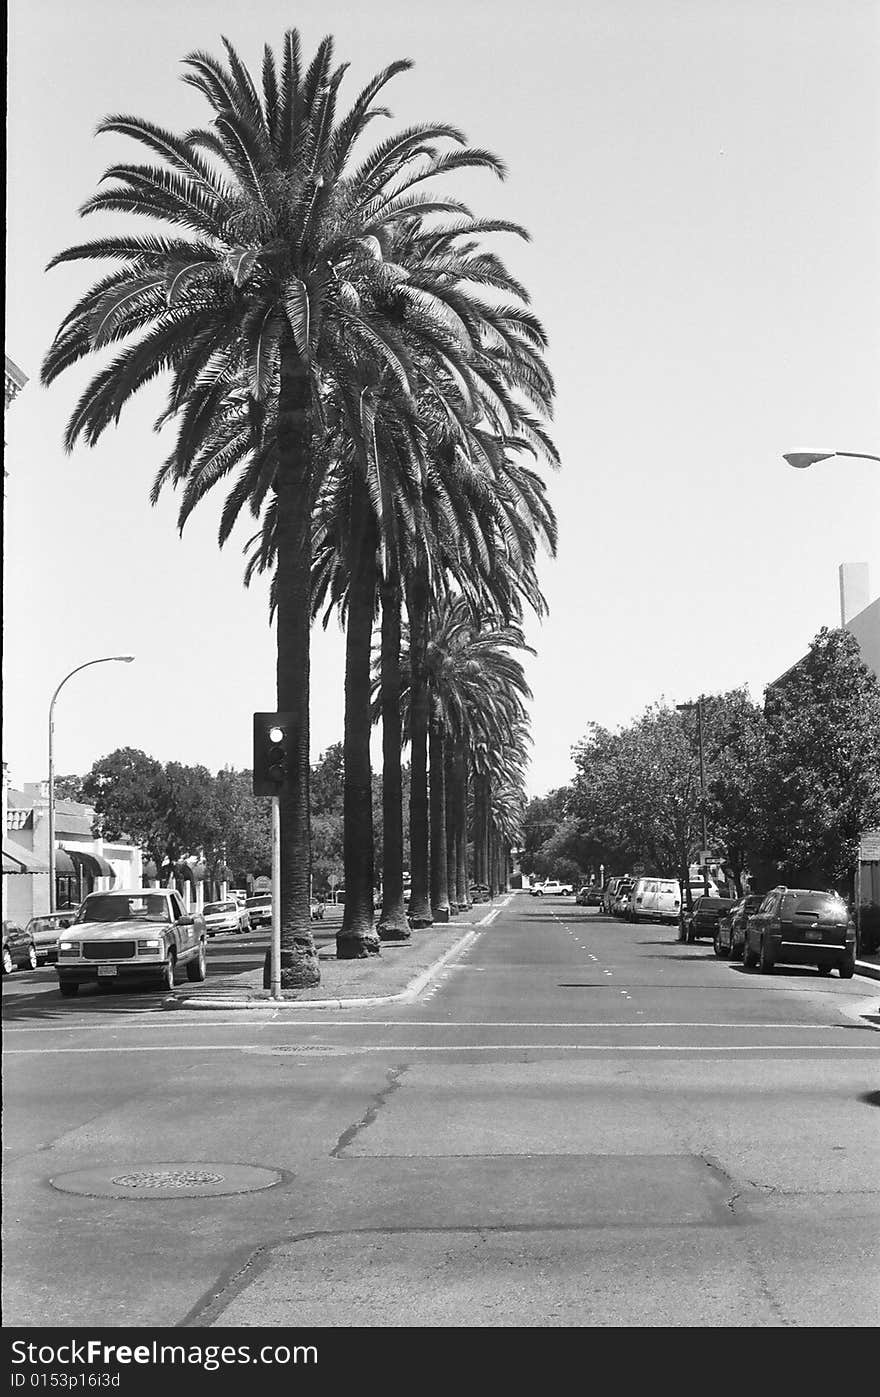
x=802 y=926
x=656 y=900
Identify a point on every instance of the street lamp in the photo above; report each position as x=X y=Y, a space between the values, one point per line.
x=689 y=708
x=105 y=659
x=801 y=459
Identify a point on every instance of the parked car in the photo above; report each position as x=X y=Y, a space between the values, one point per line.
x=479 y=892
x=533 y=890
x=239 y=895
x=656 y=900
x=801 y=926
x=611 y=889
x=133 y=936
x=622 y=903
x=703 y=920
x=259 y=909
x=226 y=916
x=594 y=896
x=44 y=929
x=19 y=951
x=553 y=888
x=316 y=910
x=582 y=895
x=730 y=933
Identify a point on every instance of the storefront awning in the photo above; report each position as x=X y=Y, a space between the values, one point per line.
x=18 y=859
x=90 y=863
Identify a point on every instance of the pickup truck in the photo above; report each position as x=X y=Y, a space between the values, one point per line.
x=133 y=936
x=551 y=887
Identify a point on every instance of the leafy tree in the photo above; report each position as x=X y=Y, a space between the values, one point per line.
x=69 y=788
x=127 y=789
x=821 y=773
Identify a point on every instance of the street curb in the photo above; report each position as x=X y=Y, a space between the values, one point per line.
x=409 y=992
x=870 y=972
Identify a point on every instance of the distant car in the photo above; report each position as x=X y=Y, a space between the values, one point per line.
x=535 y=888
x=622 y=905
x=801 y=926
x=316 y=910
x=553 y=888
x=226 y=916
x=730 y=933
x=703 y=920
x=19 y=951
x=611 y=889
x=259 y=909
x=131 y=936
x=590 y=895
x=479 y=892
x=582 y=894
x=44 y=929
x=239 y=895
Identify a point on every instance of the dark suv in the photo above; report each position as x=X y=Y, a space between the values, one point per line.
x=801 y=926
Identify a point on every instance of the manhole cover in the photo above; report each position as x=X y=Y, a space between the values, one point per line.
x=162 y=1181
x=167 y=1178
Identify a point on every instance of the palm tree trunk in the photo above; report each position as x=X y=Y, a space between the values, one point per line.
x=437 y=757
x=451 y=843
x=462 y=887
x=393 y=925
x=417 y=609
x=299 y=958
x=357 y=937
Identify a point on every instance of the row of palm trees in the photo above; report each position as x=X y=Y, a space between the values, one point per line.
x=349 y=356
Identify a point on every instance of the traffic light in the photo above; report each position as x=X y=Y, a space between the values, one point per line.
x=272 y=753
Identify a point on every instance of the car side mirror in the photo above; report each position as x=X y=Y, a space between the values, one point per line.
x=187 y=920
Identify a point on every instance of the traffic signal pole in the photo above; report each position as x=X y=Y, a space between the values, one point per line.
x=275 y=952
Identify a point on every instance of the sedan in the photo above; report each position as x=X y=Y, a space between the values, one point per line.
x=704 y=919
x=19 y=951
x=226 y=916
x=45 y=931
x=730 y=933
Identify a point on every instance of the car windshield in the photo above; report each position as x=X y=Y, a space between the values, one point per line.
x=219 y=907
x=50 y=923
x=113 y=908
x=809 y=904
x=258 y=901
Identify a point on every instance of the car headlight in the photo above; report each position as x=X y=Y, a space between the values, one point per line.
x=149 y=945
x=68 y=948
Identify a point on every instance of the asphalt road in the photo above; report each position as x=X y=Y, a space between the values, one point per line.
x=578 y=1123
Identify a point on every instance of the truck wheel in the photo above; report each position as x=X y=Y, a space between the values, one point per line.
x=166 y=979
x=197 y=970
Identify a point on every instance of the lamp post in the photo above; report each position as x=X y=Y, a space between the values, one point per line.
x=105 y=659
x=801 y=459
x=689 y=708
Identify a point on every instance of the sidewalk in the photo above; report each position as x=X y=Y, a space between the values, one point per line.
x=399 y=972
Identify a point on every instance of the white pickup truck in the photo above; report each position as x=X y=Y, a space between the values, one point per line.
x=552 y=886
x=133 y=936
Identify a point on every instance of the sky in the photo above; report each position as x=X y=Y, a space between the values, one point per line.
x=701 y=183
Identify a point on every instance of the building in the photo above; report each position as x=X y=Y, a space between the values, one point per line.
x=83 y=863
x=858 y=615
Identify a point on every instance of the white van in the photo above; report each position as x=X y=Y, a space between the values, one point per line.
x=656 y=900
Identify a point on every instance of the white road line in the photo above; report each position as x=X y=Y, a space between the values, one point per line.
x=310 y=1048
x=200 y=1022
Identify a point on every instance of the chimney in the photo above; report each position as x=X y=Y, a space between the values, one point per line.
x=855 y=591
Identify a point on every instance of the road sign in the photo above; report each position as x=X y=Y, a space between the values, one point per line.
x=705 y=856
x=869 y=849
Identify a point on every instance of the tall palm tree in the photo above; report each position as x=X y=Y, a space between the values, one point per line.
x=269 y=235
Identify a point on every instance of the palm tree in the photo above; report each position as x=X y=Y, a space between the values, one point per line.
x=269 y=241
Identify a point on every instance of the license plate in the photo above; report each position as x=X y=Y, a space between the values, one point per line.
x=106 y=970
x=813 y=934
